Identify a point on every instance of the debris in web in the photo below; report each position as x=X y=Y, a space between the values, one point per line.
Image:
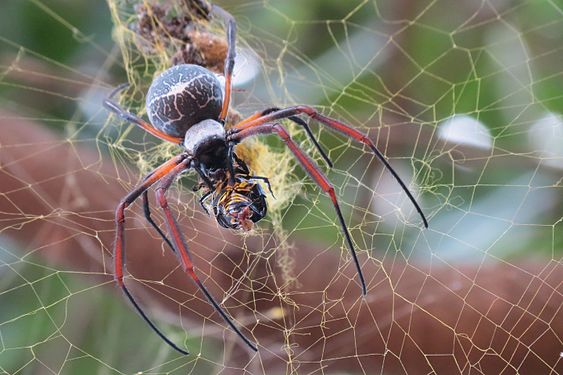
x=183 y=33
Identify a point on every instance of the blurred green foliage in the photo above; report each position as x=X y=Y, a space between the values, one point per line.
x=437 y=67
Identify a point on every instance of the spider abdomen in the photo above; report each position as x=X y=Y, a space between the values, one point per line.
x=182 y=96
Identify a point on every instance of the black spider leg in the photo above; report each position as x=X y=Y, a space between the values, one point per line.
x=147 y=211
x=148 y=217
x=299 y=121
x=184 y=254
x=108 y=102
x=302 y=123
x=237 y=135
x=119 y=249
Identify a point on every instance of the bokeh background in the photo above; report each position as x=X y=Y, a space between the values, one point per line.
x=463 y=97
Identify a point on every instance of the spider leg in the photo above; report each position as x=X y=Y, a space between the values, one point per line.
x=313 y=171
x=119 y=248
x=112 y=106
x=305 y=126
x=147 y=211
x=299 y=122
x=338 y=127
x=231 y=26
x=184 y=255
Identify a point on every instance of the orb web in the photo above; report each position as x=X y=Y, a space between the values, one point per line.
x=464 y=101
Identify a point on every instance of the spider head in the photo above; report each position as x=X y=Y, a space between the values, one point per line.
x=241 y=205
x=206 y=141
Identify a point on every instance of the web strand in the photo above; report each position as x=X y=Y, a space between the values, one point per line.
x=467 y=108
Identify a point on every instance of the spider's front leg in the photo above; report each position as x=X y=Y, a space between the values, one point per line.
x=231 y=26
x=259 y=120
x=236 y=135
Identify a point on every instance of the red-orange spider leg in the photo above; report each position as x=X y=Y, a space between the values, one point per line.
x=336 y=126
x=313 y=171
x=296 y=120
x=112 y=106
x=119 y=249
x=231 y=26
x=183 y=252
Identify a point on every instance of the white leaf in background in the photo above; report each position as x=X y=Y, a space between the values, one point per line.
x=546 y=138
x=465 y=130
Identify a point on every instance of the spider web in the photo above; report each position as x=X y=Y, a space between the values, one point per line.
x=462 y=97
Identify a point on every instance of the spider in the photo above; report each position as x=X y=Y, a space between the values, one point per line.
x=187 y=106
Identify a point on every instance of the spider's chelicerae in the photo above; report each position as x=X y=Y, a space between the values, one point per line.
x=187 y=106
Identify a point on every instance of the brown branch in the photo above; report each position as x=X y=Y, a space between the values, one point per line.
x=58 y=199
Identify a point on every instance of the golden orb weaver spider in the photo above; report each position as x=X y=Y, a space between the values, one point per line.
x=186 y=106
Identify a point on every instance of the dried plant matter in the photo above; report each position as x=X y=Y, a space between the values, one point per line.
x=185 y=33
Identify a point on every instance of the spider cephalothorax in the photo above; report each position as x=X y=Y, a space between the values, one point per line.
x=185 y=101
x=186 y=106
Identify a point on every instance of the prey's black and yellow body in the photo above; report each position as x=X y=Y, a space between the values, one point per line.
x=238 y=201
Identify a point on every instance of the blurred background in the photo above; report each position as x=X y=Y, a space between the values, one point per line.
x=464 y=98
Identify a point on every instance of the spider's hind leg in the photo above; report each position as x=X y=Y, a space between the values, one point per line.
x=258 y=120
x=147 y=212
x=184 y=255
x=119 y=247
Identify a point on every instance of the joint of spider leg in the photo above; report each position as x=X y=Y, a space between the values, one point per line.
x=229 y=138
x=118 y=89
x=120 y=213
x=160 y=196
